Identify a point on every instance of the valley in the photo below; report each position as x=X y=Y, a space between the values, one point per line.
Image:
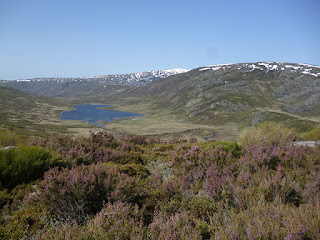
x=213 y=102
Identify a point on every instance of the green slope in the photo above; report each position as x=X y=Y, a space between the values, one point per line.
x=31 y=115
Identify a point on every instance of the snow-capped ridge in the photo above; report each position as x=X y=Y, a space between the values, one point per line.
x=138 y=78
x=307 y=69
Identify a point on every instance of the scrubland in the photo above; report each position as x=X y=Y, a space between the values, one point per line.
x=135 y=187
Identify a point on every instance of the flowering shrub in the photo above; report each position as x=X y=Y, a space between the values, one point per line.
x=118 y=221
x=66 y=231
x=136 y=140
x=277 y=224
x=98 y=147
x=137 y=188
x=178 y=226
x=78 y=192
x=287 y=155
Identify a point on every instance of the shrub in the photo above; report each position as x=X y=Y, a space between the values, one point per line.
x=99 y=147
x=23 y=165
x=118 y=221
x=228 y=146
x=78 y=192
x=8 y=138
x=289 y=156
x=275 y=223
x=66 y=231
x=266 y=133
x=136 y=140
x=313 y=134
x=4 y=197
x=178 y=226
x=133 y=169
x=23 y=223
x=217 y=184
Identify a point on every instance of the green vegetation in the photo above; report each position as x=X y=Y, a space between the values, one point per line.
x=313 y=134
x=23 y=164
x=267 y=133
x=8 y=138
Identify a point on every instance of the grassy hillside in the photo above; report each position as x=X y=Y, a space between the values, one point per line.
x=32 y=115
x=61 y=89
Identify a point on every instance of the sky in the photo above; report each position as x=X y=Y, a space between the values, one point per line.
x=81 y=38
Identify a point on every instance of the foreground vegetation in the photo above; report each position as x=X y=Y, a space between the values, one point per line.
x=133 y=187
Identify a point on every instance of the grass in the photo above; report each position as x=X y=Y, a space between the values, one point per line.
x=165 y=124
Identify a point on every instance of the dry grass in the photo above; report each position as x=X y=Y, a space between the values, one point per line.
x=165 y=124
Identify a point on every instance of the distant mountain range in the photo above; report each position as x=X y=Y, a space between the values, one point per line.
x=75 y=87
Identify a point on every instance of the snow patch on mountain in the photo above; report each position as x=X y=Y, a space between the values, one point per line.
x=216 y=67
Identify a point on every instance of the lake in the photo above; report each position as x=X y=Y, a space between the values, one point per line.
x=92 y=114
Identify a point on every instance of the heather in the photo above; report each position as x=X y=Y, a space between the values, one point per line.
x=132 y=187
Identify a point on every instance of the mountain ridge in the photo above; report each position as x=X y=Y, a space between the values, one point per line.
x=76 y=87
x=136 y=78
x=244 y=93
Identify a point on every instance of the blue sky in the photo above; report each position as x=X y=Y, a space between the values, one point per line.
x=68 y=38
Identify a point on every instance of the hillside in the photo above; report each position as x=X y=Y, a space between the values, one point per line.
x=246 y=94
x=79 y=87
x=32 y=115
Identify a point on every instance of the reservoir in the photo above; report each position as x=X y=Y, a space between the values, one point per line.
x=92 y=114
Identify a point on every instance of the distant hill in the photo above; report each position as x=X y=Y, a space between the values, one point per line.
x=78 y=87
x=244 y=93
x=30 y=115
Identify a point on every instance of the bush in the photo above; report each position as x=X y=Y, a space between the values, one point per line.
x=266 y=133
x=178 y=226
x=99 y=147
x=8 y=138
x=118 y=221
x=24 y=164
x=228 y=146
x=81 y=191
x=133 y=169
x=313 y=134
x=23 y=223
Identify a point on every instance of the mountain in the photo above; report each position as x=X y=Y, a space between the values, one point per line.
x=76 y=87
x=243 y=94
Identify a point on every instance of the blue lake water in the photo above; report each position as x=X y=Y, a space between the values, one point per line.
x=92 y=114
